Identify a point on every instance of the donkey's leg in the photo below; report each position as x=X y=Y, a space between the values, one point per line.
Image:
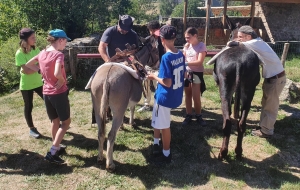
x=247 y=97
x=118 y=116
x=226 y=128
x=226 y=92
x=101 y=127
x=131 y=119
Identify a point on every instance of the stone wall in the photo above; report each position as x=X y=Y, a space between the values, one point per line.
x=281 y=20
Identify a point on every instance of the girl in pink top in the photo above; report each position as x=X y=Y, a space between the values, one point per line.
x=195 y=52
x=55 y=90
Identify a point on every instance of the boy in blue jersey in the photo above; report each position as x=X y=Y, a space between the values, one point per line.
x=168 y=94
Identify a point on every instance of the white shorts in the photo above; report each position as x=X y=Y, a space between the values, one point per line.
x=161 y=117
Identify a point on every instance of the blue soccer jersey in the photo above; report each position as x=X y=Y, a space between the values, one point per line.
x=171 y=66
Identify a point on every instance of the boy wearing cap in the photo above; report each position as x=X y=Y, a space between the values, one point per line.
x=168 y=94
x=116 y=37
x=30 y=81
x=274 y=79
x=153 y=27
x=55 y=90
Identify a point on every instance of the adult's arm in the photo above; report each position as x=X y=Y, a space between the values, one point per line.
x=102 y=50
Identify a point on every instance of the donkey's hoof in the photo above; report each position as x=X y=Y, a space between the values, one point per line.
x=220 y=157
x=223 y=153
x=111 y=168
x=101 y=162
x=239 y=157
x=133 y=124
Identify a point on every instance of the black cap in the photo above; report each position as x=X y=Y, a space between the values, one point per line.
x=168 y=32
x=125 y=22
x=25 y=33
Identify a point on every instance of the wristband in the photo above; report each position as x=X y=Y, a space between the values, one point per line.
x=186 y=63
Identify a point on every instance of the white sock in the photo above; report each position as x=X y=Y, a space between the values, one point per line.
x=166 y=152
x=54 y=149
x=156 y=141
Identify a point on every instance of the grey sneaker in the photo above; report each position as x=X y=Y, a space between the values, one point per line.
x=187 y=120
x=144 y=108
x=200 y=120
x=34 y=133
x=53 y=158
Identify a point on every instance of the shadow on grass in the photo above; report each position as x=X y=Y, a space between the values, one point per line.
x=16 y=164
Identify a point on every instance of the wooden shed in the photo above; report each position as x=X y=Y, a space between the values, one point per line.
x=280 y=17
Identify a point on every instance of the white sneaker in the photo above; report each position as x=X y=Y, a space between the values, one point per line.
x=144 y=108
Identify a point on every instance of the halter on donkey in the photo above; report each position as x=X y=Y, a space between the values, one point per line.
x=115 y=87
x=236 y=70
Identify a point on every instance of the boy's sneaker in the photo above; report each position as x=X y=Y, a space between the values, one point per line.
x=144 y=108
x=200 y=120
x=62 y=149
x=187 y=120
x=156 y=150
x=162 y=159
x=53 y=158
x=34 y=133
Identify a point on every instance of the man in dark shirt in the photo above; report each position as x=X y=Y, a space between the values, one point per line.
x=116 y=37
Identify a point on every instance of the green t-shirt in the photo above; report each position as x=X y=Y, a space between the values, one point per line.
x=28 y=82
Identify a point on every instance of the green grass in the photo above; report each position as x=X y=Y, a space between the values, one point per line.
x=266 y=164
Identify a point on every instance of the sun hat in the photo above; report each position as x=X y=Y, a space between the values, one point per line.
x=58 y=33
x=125 y=22
x=25 y=33
x=168 y=32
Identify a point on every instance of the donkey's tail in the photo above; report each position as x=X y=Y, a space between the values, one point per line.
x=237 y=97
x=104 y=100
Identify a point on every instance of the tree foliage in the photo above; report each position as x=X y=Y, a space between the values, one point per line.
x=235 y=3
x=192 y=10
x=70 y=15
x=11 y=19
x=143 y=10
x=166 y=7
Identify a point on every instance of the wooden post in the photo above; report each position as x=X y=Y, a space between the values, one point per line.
x=284 y=53
x=208 y=5
x=184 y=15
x=252 y=13
x=72 y=64
x=224 y=12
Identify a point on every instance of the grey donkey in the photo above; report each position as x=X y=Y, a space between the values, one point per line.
x=115 y=87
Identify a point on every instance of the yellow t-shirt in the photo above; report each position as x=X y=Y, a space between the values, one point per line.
x=28 y=82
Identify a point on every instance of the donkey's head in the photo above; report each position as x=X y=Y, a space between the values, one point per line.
x=148 y=53
x=234 y=28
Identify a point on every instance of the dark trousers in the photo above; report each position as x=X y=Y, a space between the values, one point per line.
x=28 y=99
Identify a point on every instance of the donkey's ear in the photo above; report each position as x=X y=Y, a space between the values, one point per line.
x=248 y=21
x=230 y=24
